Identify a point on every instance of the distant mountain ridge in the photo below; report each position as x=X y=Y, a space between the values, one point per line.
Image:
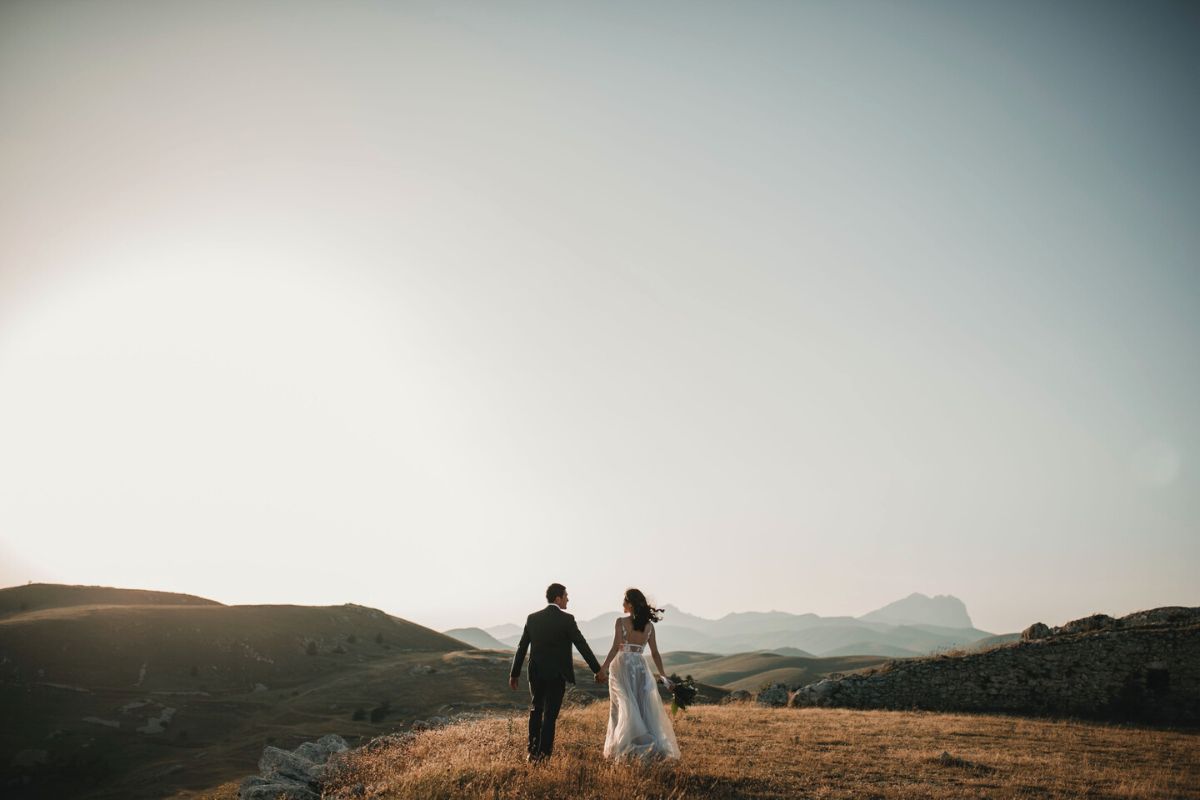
x=915 y=625
x=477 y=637
x=917 y=609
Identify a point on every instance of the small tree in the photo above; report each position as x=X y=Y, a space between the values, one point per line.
x=312 y=648
x=351 y=639
x=359 y=714
x=379 y=638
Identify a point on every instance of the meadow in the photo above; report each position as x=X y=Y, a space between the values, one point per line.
x=741 y=751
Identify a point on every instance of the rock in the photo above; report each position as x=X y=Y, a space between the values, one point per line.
x=775 y=695
x=333 y=743
x=319 y=751
x=1038 y=630
x=1095 y=622
x=258 y=788
x=1139 y=667
x=311 y=751
x=1167 y=615
x=800 y=700
x=280 y=763
x=815 y=694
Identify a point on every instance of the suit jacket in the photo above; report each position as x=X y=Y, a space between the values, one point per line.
x=548 y=635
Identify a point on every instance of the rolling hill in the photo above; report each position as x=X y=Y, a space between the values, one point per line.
x=751 y=671
x=40 y=596
x=108 y=700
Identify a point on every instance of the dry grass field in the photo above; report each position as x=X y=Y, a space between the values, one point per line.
x=741 y=751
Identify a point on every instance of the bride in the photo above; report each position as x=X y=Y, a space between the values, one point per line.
x=638 y=724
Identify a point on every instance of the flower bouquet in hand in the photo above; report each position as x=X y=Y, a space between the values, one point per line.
x=683 y=692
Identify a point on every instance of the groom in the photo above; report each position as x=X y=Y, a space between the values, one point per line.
x=551 y=632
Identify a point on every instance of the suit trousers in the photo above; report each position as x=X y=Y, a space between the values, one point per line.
x=547 y=695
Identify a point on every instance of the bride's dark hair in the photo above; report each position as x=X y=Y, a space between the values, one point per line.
x=643 y=612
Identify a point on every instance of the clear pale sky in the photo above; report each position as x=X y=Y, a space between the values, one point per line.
x=796 y=306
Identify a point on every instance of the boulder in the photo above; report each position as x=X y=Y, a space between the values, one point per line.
x=333 y=743
x=815 y=694
x=1095 y=622
x=319 y=751
x=277 y=763
x=775 y=695
x=1038 y=630
x=259 y=788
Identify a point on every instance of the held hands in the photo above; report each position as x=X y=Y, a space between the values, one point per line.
x=512 y=683
x=666 y=682
x=601 y=676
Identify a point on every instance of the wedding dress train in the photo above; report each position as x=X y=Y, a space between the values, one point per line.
x=638 y=724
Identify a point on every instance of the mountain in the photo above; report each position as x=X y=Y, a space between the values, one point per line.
x=942 y=610
x=916 y=625
x=477 y=637
x=504 y=631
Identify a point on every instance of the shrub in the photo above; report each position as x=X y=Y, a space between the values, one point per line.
x=311 y=649
x=379 y=638
x=380 y=711
x=359 y=714
x=351 y=639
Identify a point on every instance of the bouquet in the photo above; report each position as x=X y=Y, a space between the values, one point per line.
x=683 y=692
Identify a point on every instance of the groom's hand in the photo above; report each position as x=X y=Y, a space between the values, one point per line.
x=600 y=677
x=512 y=683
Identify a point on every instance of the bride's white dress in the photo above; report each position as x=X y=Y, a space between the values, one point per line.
x=638 y=724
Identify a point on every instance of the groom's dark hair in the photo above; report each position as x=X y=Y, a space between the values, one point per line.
x=555 y=590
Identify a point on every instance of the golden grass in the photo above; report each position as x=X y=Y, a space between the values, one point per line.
x=740 y=751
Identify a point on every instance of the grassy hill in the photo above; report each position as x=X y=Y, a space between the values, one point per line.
x=39 y=596
x=741 y=751
x=138 y=701
x=750 y=671
x=131 y=700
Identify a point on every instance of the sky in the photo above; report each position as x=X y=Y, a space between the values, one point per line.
x=422 y=306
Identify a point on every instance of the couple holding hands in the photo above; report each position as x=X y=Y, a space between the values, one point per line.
x=638 y=724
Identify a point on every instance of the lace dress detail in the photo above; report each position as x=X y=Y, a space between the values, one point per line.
x=638 y=724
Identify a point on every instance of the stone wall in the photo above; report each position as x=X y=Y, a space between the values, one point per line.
x=1145 y=666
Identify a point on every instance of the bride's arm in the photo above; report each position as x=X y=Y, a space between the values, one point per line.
x=612 y=651
x=654 y=652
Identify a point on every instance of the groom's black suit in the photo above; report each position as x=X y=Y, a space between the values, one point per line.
x=550 y=632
